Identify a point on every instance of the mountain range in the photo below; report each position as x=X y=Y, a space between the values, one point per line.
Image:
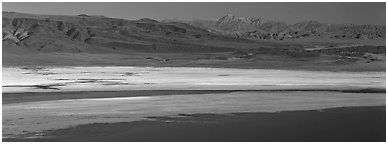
x=79 y=33
x=230 y=41
x=256 y=28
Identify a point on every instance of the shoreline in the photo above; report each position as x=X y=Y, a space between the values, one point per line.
x=360 y=123
x=10 y=98
x=313 y=69
x=20 y=118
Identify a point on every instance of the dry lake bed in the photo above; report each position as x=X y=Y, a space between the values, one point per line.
x=37 y=100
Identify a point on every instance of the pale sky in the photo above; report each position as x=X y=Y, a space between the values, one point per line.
x=334 y=13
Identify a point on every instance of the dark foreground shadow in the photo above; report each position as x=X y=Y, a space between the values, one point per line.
x=351 y=124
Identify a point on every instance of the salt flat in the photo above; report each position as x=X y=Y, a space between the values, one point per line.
x=180 y=78
x=38 y=116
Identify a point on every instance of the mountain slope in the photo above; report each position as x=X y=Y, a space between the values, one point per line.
x=256 y=28
x=83 y=40
x=85 y=33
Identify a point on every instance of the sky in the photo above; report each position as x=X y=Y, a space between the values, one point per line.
x=330 y=13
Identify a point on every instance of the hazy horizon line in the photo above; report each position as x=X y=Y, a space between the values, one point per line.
x=191 y=18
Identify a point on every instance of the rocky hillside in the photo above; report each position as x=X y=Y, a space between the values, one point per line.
x=256 y=28
x=88 y=40
x=96 y=34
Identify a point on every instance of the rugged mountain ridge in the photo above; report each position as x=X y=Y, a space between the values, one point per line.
x=256 y=28
x=85 y=40
x=101 y=34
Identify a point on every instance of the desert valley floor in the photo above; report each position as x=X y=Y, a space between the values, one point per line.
x=43 y=99
x=87 y=77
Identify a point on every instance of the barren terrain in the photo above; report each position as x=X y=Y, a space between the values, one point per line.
x=65 y=76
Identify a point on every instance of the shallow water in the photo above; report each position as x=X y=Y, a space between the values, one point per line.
x=19 y=118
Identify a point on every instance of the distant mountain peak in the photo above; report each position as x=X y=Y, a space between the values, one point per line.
x=232 y=18
x=232 y=22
